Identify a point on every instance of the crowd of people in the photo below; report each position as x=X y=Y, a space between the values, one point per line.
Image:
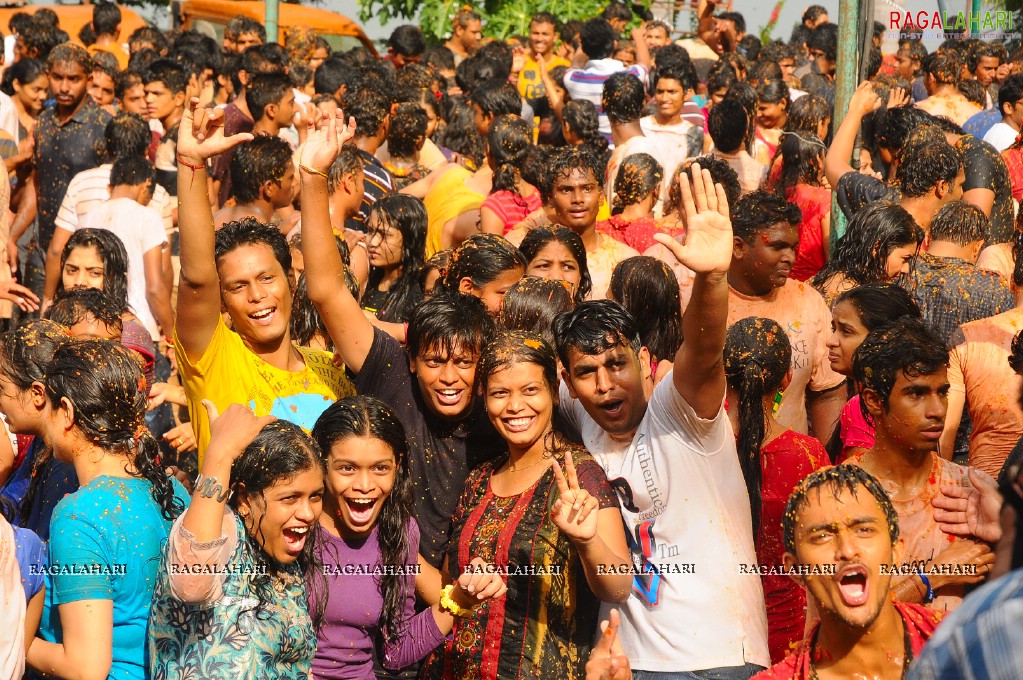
x=597 y=353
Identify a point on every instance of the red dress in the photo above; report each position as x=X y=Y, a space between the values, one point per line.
x=638 y=234
x=786 y=461
x=815 y=202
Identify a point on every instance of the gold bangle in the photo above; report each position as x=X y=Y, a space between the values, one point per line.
x=449 y=605
x=313 y=171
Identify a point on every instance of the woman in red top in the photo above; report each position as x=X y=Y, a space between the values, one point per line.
x=512 y=197
x=636 y=190
x=802 y=183
x=774 y=460
x=773 y=102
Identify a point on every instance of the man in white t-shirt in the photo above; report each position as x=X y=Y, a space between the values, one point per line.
x=670 y=454
x=140 y=229
x=1010 y=103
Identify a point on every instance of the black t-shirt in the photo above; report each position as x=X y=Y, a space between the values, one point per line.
x=856 y=190
x=441 y=453
x=986 y=169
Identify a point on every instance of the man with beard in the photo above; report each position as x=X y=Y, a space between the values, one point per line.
x=841 y=541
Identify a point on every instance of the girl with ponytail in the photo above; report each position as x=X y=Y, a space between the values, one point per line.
x=581 y=127
x=511 y=198
x=106 y=538
x=774 y=460
x=637 y=189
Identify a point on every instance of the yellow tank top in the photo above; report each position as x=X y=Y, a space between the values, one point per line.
x=448 y=199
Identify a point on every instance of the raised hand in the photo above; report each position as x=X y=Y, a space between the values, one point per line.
x=324 y=141
x=201 y=133
x=232 y=431
x=708 y=242
x=972 y=509
x=864 y=99
x=897 y=97
x=575 y=511
x=478 y=585
x=607 y=658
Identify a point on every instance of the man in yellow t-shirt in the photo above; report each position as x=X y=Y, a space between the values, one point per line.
x=243 y=270
x=541 y=43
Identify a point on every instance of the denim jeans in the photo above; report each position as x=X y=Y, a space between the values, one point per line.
x=724 y=673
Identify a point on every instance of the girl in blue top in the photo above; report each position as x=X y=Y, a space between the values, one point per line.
x=106 y=538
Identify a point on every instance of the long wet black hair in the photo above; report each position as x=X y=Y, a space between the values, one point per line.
x=649 y=290
x=757 y=358
x=509 y=142
x=407 y=214
x=115 y=261
x=105 y=385
x=538 y=239
x=364 y=416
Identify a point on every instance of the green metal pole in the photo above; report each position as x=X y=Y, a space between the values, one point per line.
x=846 y=80
x=271 y=20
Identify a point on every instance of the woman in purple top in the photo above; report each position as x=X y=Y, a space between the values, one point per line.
x=369 y=543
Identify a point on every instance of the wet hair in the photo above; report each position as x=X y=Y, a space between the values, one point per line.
x=728 y=125
x=71 y=307
x=438 y=262
x=239 y=25
x=306 y=322
x=448 y=321
x=805 y=114
x=825 y=39
x=279 y=453
x=106 y=387
x=106 y=18
x=370 y=109
x=757 y=358
x=332 y=74
x=763 y=71
x=147 y=34
x=126 y=135
x=638 y=177
x=263 y=159
x=131 y=171
x=836 y=479
x=67 y=53
x=926 y=159
x=720 y=171
x=407 y=215
x=569 y=32
x=40 y=40
x=367 y=417
x=347 y=164
x=680 y=70
x=961 y=223
x=460 y=134
x=407 y=40
x=594 y=327
x=879 y=304
x=466 y=16
x=946 y=67
x=973 y=91
x=1010 y=91
x=802 y=157
x=908 y=346
x=539 y=238
x=440 y=58
x=623 y=98
x=26 y=350
x=774 y=92
x=616 y=10
x=482 y=258
x=115 y=260
x=649 y=290
x=264 y=58
x=169 y=72
x=564 y=162
x=873 y=233
x=893 y=126
x=980 y=50
x=597 y=38
x=497 y=98
x=509 y=142
x=582 y=119
x=23 y=71
x=533 y=303
x=501 y=53
x=723 y=78
x=249 y=231
x=265 y=89
x=407 y=132
x=759 y=210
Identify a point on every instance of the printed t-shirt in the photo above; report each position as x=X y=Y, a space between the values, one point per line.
x=687 y=513
x=229 y=373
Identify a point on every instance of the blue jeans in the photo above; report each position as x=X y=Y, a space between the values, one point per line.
x=725 y=673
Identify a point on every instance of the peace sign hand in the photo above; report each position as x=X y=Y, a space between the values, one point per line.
x=201 y=133
x=708 y=243
x=574 y=511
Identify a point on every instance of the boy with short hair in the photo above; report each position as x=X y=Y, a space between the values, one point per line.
x=165 y=82
x=263 y=181
x=271 y=100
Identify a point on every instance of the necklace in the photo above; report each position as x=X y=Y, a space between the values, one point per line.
x=544 y=459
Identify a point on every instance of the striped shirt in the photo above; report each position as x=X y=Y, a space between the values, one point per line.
x=377 y=183
x=588 y=83
x=91 y=187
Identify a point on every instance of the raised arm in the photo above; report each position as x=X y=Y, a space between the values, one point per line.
x=200 y=137
x=699 y=373
x=348 y=327
x=837 y=162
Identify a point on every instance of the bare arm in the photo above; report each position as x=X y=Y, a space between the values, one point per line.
x=26 y=215
x=699 y=374
x=348 y=327
x=200 y=137
x=53 y=253
x=824 y=409
x=982 y=198
x=642 y=51
x=86 y=652
x=837 y=162
x=157 y=292
x=490 y=223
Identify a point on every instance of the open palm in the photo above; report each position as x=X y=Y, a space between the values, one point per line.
x=325 y=140
x=201 y=133
x=708 y=242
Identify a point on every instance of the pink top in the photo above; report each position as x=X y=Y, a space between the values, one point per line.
x=511 y=207
x=854 y=430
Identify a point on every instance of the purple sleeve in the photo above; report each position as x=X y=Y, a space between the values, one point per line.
x=421 y=635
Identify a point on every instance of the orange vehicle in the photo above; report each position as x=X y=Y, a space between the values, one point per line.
x=341 y=32
x=73 y=17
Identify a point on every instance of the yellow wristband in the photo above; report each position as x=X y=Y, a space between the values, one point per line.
x=449 y=605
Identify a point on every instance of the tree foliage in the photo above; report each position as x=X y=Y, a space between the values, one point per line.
x=504 y=18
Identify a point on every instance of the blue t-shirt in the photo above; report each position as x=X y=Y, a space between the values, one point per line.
x=31 y=555
x=106 y=543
